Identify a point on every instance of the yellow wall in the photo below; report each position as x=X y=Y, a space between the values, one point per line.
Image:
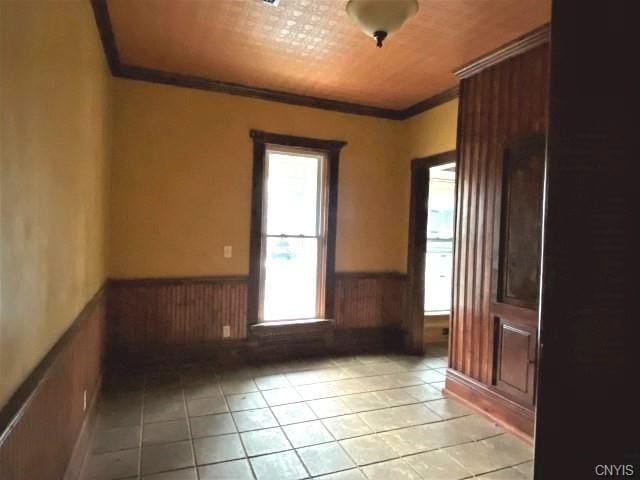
x=433 y=131
x=53 y=150
x=181 y=184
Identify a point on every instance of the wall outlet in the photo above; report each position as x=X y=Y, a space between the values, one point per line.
x=84 y=400
x=226 y=331
x=227 y=251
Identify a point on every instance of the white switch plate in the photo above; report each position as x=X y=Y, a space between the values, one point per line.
x=227 y=251
x=226 y=331
x=84 y=401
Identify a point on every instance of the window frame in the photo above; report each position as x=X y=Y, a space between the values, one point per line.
x=320 y=229
x=330 y=149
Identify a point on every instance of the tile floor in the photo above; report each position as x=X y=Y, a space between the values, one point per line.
x=340 y=418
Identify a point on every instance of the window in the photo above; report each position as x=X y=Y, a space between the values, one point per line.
x=293 y=238
x=293 y=229
x=439 y=257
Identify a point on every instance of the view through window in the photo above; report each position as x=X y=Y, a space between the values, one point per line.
x=293 y=235
x=439 y=257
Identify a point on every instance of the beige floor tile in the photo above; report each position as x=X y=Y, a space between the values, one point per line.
x=325 y=458
x=346 y=426
x=438 y=385
x=398 y=417
x=316 y=391
x=241 y=385
x=436 y=362
x=448 y=408
x=163 y=411
x=281 y=466
x=380 y=382
x=478 y=457
x=113 y=439
x=516 y=450
x=307 y=433
x=293 y=413
x=421 y=438
x=246 y=401
x=431 y=376
x=405 y=379
x=368 y=449
x=504 y=474
x=268 y=440
x=329 y=407
x=362 y=402
x=218 y=449
x=206 y=406
x=395 y=397
x=424 y=392
x=167 y=456
x=305 y=377
x=347 y=387
x=281 y=396
x=437 y=465
x=202 y=390
x=183 y=474
x=525 y=469
x=353 y=474
x=269 y=382
x=254 y=419
x=165 y=432
x=119 y=417
x=476 y=427
x=235 y=469
x=112 y=465
x=210 y=425
x=395 y=469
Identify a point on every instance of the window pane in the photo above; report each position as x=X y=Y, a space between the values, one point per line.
x=290 y=278
x=292 y=194
x=439 y=258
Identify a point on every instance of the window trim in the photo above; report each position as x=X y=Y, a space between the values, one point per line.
x=331 y=151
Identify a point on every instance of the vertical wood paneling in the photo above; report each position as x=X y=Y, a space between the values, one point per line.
x=502 y=102
x=39 y=441
x=153 y=313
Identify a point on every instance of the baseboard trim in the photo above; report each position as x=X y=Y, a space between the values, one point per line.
x=507 y=413
x=81 y=448
x=257 y=350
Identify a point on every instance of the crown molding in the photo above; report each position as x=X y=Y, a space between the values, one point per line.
x=520 y=45
x=118 y=69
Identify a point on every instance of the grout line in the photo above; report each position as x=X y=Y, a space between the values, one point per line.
x=235 y=425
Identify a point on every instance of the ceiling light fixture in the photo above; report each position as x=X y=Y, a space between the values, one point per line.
x=379 y=18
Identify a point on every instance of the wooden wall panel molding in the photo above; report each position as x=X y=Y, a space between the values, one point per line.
x=514 y=48
x=498 y=104
x=51 y=400
x=488 y=401
x=159 y=317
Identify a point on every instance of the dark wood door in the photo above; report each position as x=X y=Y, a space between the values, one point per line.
x=517 y=269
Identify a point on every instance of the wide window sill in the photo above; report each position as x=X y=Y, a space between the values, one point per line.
x=291 y=327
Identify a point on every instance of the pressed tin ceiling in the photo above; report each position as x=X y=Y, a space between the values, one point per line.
x=312 y=47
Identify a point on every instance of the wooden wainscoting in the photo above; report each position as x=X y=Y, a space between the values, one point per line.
x=369 y=299
x=156 y=318
x=44 y=424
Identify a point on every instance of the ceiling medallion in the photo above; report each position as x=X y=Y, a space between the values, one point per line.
x=379 y=18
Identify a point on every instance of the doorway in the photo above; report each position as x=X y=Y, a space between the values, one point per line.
x=430 y=252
